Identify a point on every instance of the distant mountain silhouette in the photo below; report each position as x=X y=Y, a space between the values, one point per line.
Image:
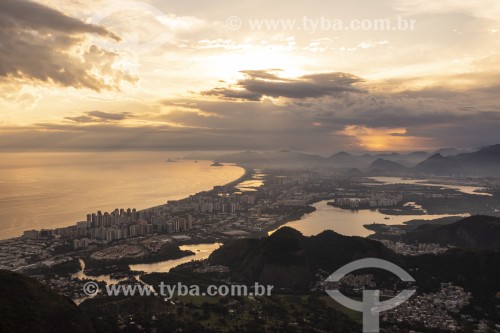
x=475 y=232
x=437 y=164
x=279 y=159
x=412 y=159
x=346 y=160
x=485 y=161
x=383 y=166
x=448 y=151
x=28 y=306
x=419 y=154
x=354 y=172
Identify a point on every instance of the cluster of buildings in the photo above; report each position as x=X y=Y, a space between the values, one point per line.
x=120 y=224
x=66 y=286
x=434 y=311
x=376 y=200
x=217 y=201
x=15 y=254
x=414 y=249
x=175 y=216
x=80 y=243
x=352 y=282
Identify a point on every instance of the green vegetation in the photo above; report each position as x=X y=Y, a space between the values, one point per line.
x=289 y=260
x=280 y=313
x=475 y=232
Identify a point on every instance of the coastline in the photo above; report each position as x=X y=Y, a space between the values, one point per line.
x=247 y=173
x=291 y=211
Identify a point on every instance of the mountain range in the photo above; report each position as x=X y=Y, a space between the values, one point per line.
x=448 y=161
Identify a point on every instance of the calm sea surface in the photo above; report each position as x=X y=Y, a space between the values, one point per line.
x=50 y=190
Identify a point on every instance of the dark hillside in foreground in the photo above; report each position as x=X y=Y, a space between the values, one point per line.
x=27 y=306
x=475 y=232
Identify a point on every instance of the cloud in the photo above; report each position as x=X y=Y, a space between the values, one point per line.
x=380 y=138
x=377 y=119
x=23 y=14
x=381 y=118
x=114 y=137
x=258 y=84
x=99 y=117
x=261 y=126
x=234 y=94
x=486 y=8
x=41 y=44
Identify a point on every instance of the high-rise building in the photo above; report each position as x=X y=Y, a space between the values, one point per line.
x=31 y=234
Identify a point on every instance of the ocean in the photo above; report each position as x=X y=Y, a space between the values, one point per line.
x=51 y=190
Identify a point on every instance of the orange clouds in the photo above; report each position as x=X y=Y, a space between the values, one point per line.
x=380 y=139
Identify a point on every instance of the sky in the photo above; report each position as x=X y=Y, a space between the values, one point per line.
x=317 y=76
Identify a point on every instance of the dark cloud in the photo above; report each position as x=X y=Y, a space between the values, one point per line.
x=293 y=129
x=99 y=117
x=38 y=43
x=114 y=137
x=431 y=117
x=325 y=124
x=234 y=94
x=81 y=119
x=258 y=84
x=108 y=115
x=22 y=15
